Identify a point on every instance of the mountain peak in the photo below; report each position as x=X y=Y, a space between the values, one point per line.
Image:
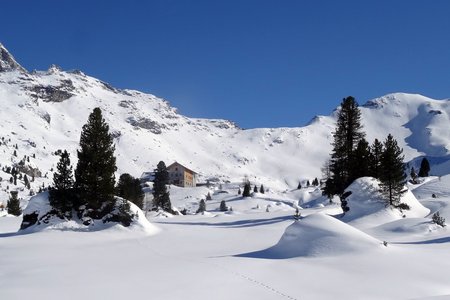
x=7 y=61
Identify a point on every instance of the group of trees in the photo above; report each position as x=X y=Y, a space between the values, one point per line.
x=91 y=192
x=315 y=182
x=352 y=157
x=248 y=188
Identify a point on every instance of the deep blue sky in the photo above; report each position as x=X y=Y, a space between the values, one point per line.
x=258 y=63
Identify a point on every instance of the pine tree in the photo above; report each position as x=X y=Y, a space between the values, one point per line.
x=255 y=189
x=13 y=204
x=130 y=188
x=346 y=136
x=201 y=206
x=94 y=175
x=246 y=192
x=375 y=158
x=161 y=196
x=424 y=168
x=299 y=186
x=61 y=195
x=308 y=184
x=208 y=196
x=413 y=175
x=26 y=181
x=392 y=177
x=261 y=189
x=360 y=160
x=239 y=191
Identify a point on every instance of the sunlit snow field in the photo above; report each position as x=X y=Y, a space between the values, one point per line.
x=249 y=253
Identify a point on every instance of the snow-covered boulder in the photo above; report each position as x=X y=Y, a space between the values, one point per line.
x=369 y=209
x=39 y=215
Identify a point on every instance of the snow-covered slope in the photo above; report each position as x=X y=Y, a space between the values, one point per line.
x=368 y=209
x=44 y=111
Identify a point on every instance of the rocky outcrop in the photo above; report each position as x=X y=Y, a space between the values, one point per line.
x=7 y=61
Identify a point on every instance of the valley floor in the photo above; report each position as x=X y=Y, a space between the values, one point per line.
x=211 y=256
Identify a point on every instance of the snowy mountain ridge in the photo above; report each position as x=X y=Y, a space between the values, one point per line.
x=44 y=111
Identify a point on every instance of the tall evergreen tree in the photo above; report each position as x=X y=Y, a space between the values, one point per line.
x=94 y=175
x=392 y=177
x=161 y=197
x=424 y=168
x=13 y=204
x=345 y=138
x=376 y=149
x=255 y=189
x=360 y=160
x=130 y=188
x=61 y=195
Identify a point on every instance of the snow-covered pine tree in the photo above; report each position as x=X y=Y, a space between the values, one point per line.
x=255 y=189
x=392 y=176
x=94 y=175
x=261 y=189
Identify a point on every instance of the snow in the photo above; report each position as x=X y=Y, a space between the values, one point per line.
x=368 y=209
x=255 y=251
x=318 y=235
x=247 y=254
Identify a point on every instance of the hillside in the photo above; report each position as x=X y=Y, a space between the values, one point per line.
x=43 y=111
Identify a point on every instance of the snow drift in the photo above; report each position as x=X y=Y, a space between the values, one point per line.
x=368 y=208
x=318 y=235
x=37 y=217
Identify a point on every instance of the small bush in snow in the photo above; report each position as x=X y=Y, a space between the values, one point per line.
x=437 y=219
x=403 y=206
x=201 y=206
x=223 y=206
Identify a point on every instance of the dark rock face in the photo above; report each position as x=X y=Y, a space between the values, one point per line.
x=145 y=123
x=7 y=61
x=53 y=93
